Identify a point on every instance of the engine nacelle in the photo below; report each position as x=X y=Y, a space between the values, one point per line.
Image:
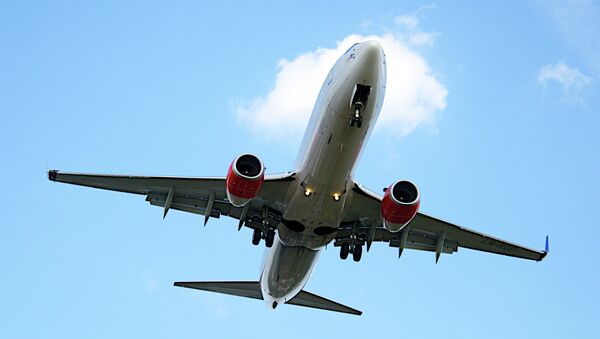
x=244 y=179
x=399 y=205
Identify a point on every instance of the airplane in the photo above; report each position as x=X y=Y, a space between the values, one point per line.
x=298 y=213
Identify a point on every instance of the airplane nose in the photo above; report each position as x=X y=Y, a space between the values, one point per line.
x=369 y=68
x=371 y=52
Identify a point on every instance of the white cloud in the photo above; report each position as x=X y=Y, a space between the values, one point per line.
x=572 y=81
x=422 y=38
x=414 y=95
x=407 y=20
x=578 y=23
x=410 y=22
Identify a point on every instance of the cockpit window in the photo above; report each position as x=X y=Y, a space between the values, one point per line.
x=350 y=48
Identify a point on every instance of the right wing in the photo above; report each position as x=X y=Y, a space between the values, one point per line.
x=424 y=232
x=191 y=194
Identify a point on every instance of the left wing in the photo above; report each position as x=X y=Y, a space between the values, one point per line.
x=200 y=195
x=424 y=232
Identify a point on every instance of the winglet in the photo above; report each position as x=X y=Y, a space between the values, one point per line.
x=546 y=250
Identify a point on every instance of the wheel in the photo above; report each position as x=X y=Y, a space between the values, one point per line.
x=256 y=237
x=357 y=253
x=270 y=238
x=344 y=250
x=359 y=123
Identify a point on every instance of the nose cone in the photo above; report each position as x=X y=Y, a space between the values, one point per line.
x=371 y=52
x=370 y=66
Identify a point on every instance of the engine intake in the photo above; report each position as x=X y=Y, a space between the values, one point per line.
x=244 y=179
x=399 y=205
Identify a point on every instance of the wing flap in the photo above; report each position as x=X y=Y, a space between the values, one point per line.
x=197 y=206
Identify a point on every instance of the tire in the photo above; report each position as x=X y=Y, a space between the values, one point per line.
x=357 y=253
x=256 y=237
x=344 y=250
x=270 y=238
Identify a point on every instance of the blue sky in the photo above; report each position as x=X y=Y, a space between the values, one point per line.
x=503 y=138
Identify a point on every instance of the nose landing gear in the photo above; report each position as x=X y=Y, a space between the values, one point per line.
x=357 y=118
x=358 y=103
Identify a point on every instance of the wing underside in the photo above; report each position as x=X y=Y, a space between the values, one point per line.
x=424 y=232
x=200 y=195
x=206 y=196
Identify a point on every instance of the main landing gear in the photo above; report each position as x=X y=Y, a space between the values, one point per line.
x=269 y=237
x=355 y=249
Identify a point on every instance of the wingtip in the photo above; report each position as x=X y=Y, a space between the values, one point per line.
x=546 y=250
x=52 y=175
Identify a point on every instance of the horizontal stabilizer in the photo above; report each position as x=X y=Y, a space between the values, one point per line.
x=251 y=289
x=248 y=289
x=308 y=299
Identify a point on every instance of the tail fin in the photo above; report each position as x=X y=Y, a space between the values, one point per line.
x=251 y=289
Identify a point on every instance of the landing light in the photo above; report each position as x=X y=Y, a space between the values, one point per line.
x=336 y=196
x=307 y=192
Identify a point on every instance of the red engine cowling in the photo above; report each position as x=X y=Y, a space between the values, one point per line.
x=399 y=205
x=244 y=179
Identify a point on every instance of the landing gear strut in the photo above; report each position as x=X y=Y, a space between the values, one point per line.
x=360 y=96
x=357 y=118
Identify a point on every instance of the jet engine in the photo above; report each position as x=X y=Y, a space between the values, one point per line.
x=399 y=205
x=244 y=179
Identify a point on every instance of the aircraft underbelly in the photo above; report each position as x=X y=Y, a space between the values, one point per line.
x=326 y=172
x=331 y=147
x=288 y=270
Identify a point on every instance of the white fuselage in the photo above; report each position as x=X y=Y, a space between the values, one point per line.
x=324 y=170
